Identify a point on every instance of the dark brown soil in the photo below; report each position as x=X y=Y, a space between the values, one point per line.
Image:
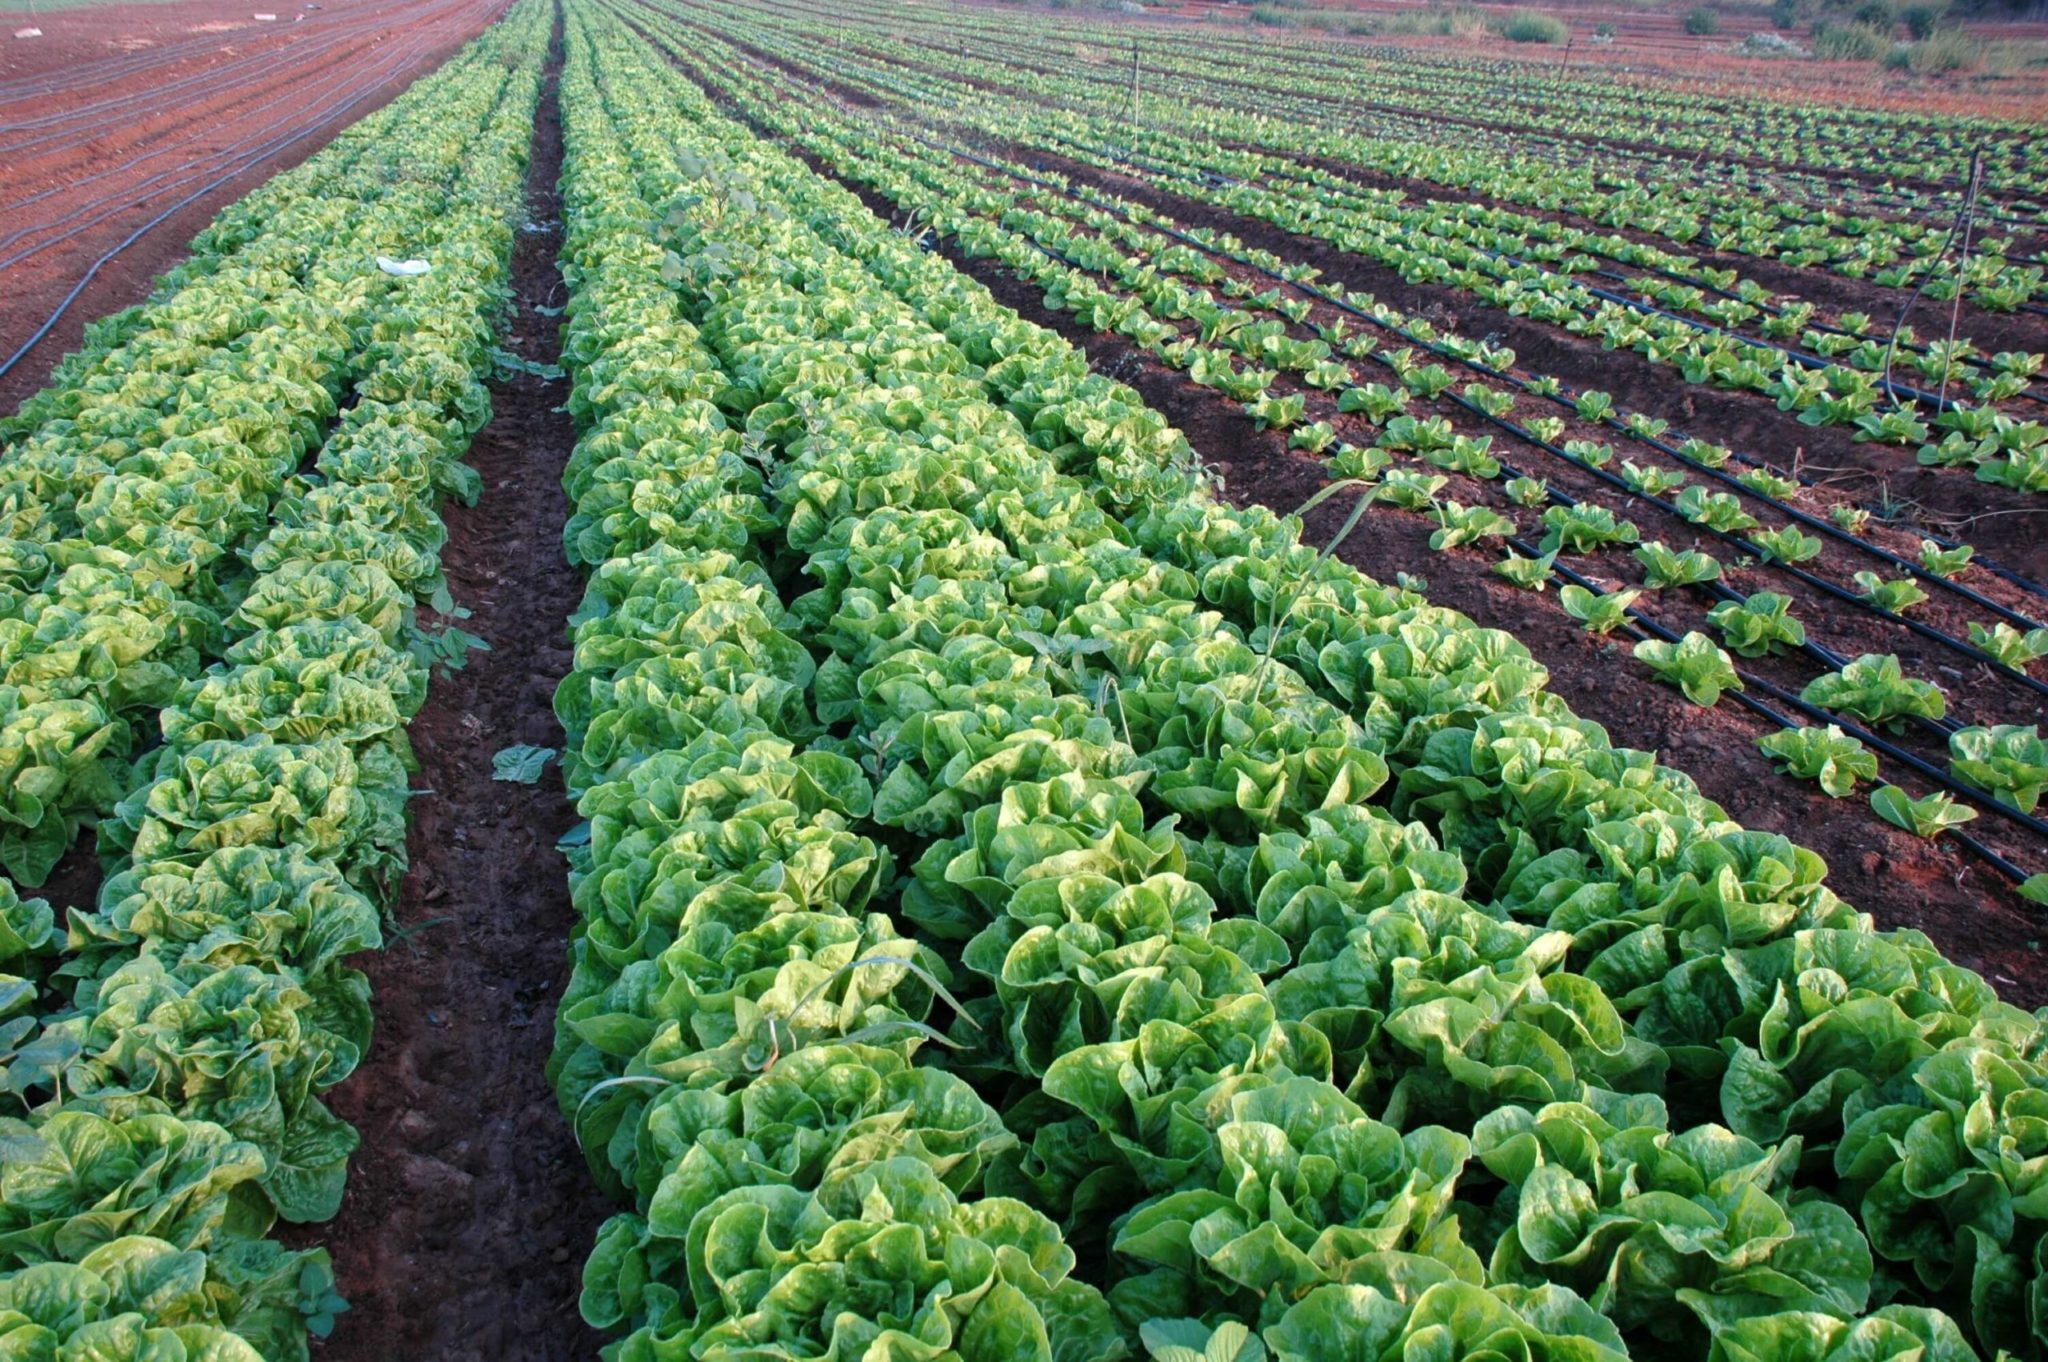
x=2006 y=527
x=1901 y=880
x=469 y=1207
x=1977 y=694
x=1835 y=293
x=239 y=103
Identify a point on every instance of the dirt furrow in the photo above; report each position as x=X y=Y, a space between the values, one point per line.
x=469 y=1208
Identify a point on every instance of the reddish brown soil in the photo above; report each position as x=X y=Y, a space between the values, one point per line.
x=1901 y=880
x=1923 y=500
x=1834 y=293
x=469 y=1207
x=1976 y=692
x=140 y=110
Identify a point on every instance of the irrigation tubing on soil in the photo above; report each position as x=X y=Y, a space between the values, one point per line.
x=1979 y=362
x=1644 y=626
x=1918 y=764
x=1791 y=512
x=67 y=186
x=1799 y=357
x=251 y=150
x=1614 y=422
x=120 y=110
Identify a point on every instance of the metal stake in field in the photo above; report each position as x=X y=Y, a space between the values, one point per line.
x=1955 y=311
x=1965 y=220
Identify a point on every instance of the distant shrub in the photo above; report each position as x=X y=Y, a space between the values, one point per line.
x=1849 y=42
x=1702 y=21
x=1285 y=15
x=1947 y=49
x=1603 y=30
x=1785 y=13
x=1460 y=21
x=1924 y=17
x=1770 y=45
x=1877 y=14
x=1535 y=28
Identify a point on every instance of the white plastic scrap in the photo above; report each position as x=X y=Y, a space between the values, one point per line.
x=404 y=269
x=266 y=18
x=28 y=33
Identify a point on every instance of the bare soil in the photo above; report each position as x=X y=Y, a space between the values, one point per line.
x=469 y=1207
x=1651 y=42
x=121 y=114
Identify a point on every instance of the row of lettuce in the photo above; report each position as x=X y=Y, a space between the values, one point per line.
x=1029 y=908
x=222 y=521
x=1445 y=132
x=1865 y=385
x=1156 y=291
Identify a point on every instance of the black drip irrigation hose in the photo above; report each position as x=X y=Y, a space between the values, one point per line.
x=1799 y=357
x=1811 y=711
x=1665 y=161
x=1968 y=650
x=167 y=100
x=1830 y=191
x=873 y=78
x=1831 y=186
x=192 y=164
x=1615 y=423
x=1925 y=769
x=240 y=157
x=290 y=41
x=1831 y=182
x=1356 y=191
x=1644 y=626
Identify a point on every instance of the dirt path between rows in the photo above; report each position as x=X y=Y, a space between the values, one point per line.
x=469 y=1208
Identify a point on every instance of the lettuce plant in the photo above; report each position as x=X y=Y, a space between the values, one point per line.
x=1827 y=756
x=1693 y=664
x=1758 y=625
x=1875 y=689
x=2009 y=761
x=1664 y=566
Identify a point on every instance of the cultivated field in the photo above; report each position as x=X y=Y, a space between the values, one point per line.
x=905 y=680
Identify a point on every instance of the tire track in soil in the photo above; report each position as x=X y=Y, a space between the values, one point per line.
x=469 y=1208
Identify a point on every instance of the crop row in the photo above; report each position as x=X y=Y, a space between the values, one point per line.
x=223 y=519
x=1154 y=289
x=1032 y=909
x=1860 y=382
x=1442 y=137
